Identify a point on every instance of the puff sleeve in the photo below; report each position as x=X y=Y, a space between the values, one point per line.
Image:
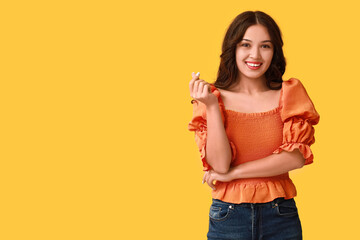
x=299 y=116
x=198 y=124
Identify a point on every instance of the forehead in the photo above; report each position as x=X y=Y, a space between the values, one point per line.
x=257 y=32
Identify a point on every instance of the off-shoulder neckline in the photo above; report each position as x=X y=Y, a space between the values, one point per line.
x=254 y=114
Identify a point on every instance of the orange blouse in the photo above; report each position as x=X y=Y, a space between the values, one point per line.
x=256 y=135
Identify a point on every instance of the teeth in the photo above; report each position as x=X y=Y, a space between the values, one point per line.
x=253 y=65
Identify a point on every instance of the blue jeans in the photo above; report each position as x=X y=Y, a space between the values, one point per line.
x=275 y=220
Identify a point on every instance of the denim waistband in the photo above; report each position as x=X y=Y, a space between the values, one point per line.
x=271 y=204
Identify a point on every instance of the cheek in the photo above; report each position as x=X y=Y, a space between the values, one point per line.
x=268 y=58
x=239 y=59
x=269 y=55
x=240 y=55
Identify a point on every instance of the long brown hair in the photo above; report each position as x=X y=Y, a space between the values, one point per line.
x=228 y=70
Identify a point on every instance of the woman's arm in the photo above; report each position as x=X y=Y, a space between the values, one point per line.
x=218 y=149
x=272 y=165
x=218 y=152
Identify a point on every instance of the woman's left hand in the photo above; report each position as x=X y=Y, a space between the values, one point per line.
x=211 y=175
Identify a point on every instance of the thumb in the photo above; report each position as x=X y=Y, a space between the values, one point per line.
x=196 y=76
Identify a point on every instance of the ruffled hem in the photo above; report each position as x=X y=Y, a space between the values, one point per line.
x=260 y=192
x=304 y=149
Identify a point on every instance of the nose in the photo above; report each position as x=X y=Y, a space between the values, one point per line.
x=255 y=53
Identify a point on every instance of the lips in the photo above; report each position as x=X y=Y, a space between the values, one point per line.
x=253 y=65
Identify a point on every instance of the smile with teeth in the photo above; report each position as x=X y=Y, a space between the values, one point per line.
x=253 y=65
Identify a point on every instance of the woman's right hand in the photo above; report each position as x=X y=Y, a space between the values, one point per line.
x=200 y=90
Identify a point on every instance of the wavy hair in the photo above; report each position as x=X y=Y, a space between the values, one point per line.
x=228 y=70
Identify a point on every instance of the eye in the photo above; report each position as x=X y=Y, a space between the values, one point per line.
x=266 y=46
x=245 y=45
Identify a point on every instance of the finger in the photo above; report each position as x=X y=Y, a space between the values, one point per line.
x=195 y=88
x=210 y=182
x=207 y=176
x=194 y=76
x=203 y=180
x=206 y=89
x=191 y=83
x=201 y=84
x=201 y=87
x=213 y=179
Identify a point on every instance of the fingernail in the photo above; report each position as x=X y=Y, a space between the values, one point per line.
x=198 y=74
x=202 y=181
x=193 y=73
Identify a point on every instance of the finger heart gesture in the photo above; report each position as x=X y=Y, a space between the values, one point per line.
x=201 y=90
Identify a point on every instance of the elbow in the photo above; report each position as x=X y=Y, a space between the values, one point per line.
x=299 y=160
x=221 y=168
x=220 y=165
x=300 y=163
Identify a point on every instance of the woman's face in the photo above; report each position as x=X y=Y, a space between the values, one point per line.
x=254 y=52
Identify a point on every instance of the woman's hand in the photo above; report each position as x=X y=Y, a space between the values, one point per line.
x=200 y=90
x=211 y=175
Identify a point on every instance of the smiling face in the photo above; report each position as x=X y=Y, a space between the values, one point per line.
x=254 y=52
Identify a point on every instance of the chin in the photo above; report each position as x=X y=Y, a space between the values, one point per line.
x=251 y=74
x=254 y=76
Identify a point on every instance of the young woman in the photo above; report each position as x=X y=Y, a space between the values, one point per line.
x=252 y=128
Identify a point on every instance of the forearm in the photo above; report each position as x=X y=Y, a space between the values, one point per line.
x=218 y=151
x=272 y=165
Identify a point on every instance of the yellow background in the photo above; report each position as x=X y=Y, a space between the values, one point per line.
x=95 y=105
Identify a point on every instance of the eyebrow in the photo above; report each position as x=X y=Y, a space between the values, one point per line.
x=244 y=39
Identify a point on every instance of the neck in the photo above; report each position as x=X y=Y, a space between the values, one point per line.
x=250 y=86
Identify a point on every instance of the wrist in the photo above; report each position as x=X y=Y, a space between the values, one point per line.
x=211 y=106
x=233 y=174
